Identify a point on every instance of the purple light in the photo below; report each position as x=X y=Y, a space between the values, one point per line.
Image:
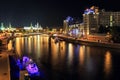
x=68 y=19
x=32 y=68
x=26 y=59
x=29 y=65
x=89 y=11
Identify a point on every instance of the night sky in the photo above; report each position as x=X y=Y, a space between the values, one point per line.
x=48 y=12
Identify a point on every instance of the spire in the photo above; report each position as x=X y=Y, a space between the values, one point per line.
x=10 y=26
x=2 y=26
x=31 y=26
x=37 y=25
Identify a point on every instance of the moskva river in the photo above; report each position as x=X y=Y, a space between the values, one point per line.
x=68 y=61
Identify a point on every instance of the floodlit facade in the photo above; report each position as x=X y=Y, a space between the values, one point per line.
x=72 y=27
x=65 y=26
x=93 y=18
x=109 y=18
x=31 y=27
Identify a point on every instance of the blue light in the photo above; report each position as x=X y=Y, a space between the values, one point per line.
x=68 y=19
x=32 y=68
x=29 y=65
x=26 y=59
x=20 y=65
x=89 y=11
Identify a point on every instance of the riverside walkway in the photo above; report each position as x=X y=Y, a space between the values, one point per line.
x=4 y=66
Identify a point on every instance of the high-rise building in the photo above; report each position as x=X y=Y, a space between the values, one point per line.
x=109 y=18
x=93 y=18
x=65 y=26
x=91 y=23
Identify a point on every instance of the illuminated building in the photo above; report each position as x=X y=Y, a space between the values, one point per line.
x=2 y=27
x=37 y=27
x=93 y=18
x=73 y=27
x=109 y=18
x=65 y=26
x=76 y=29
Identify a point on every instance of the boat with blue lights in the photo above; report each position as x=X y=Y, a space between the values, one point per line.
x=27 y=64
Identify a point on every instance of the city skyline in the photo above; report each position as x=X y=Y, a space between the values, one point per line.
x=48 y=13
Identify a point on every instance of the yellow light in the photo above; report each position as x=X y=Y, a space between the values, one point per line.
x=107 y=63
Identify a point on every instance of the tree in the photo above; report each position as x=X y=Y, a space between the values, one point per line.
x=115 y=32
x=102 y=29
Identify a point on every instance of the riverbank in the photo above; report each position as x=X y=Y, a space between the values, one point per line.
x=90 y=43
x=5 y=66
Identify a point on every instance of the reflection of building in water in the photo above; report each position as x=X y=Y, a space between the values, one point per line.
x=70 y=53
x=89 y=61
x=10 y=45
x=54 y=49
x=82 y=55
x=18 y=46
x=62 y=50
x=107 y=63
x=29 y=45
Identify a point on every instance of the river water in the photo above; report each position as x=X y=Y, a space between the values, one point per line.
x=68 y=61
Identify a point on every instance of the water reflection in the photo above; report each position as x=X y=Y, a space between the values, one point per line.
x=62 y=50
x=10 y=45
x=54 y=53
x=82 y=55
x=65 y=61
x=108 y=63
x=89 y=60
x=29 y=44
x=70 y=54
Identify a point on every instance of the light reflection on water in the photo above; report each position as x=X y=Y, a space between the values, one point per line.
x=66 y=60
x=107 y=63
x=70 y=54
x=82 y=55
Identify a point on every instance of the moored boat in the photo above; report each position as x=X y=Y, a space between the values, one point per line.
x=27 y=64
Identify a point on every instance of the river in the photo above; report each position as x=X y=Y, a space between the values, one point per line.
x=68 y=61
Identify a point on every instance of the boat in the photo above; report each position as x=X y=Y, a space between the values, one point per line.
x=27 y=64
x=58 y=39
x=32 y=69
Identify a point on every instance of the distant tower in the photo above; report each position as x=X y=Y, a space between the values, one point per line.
x=31 y=26
x=37 y=25
x=10 y=26
x=2 y=26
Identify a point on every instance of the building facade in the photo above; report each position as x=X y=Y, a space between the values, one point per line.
x=109 y=18
x=65 y=26
x=93 y=18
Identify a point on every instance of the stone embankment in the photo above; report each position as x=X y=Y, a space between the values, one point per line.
x=90 y=43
